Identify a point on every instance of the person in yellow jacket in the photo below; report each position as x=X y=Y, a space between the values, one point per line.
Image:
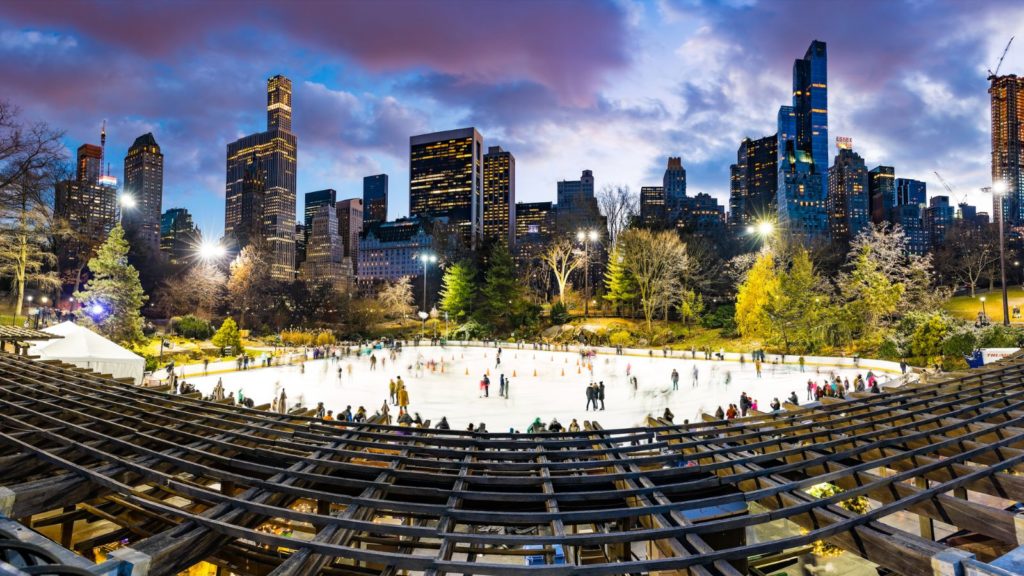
x=393 y=391
x=403 y=398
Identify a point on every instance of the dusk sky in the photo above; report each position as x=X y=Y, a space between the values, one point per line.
x=615 y=87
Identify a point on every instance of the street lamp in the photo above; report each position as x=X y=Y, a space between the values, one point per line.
x=423 y=325
x=425 y=258
x=211 y=251
x=983 y=313
x=586 y=237
x=127 y=201
x=999 y=189
x=763 y=229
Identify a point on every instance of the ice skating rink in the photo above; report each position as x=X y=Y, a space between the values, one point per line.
x=557 y=390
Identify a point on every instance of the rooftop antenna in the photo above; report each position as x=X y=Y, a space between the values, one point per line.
x=103 y=145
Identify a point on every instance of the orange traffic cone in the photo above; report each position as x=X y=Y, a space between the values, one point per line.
x=578 y=370
x=488 y=372
x=534 y=372
x=513 y=373
x=467 y=371
x=563 y=371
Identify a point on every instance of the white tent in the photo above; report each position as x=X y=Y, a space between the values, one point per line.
x=87 y=349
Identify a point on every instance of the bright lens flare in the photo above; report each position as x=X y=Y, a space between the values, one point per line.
x=211 y=251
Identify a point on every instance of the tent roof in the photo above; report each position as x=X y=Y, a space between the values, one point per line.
x=79 y=342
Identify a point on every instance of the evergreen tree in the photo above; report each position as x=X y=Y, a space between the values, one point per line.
x=458 y=291
x=113 y=296
x=228 y=335
x=502 y=304
x=620 y=286
x=753 y=296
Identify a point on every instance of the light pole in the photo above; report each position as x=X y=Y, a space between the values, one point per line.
x=425 y=257
x=999 y=189
x=586 y=237
x=983 y=313
x=763 y=230
x=127 y=201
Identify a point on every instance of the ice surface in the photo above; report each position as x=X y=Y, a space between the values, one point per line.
x=557 y=390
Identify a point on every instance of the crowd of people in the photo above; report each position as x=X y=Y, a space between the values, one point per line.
x=382 y=353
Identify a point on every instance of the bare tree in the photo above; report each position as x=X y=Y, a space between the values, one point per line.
x=563 y=260
x=395 y=298
x=656 y=261
x=619 y=205
x=968 y=254
x=31 y=159
x=199 y=291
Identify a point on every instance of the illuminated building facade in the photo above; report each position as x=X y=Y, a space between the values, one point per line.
x=939 y=216
x=350 y=226
x=500 y=195
x=272 y=156
x=1007 y=94
x=89 y=165
x=882 y=193
x=702 y=216
x=325 y=252
x=312 y=201
x=144 y=181
x=446 y=180
x=389 y=250
x=90 y=211
x=753 y=181
x=535 y=222
x=652 y=206
x=179 y=236
x=375 y=199
x=674 y=184
x=803 y=149
x=849 y=206
x=909 y=213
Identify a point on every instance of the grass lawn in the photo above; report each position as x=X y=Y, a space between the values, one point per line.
x=967 y=307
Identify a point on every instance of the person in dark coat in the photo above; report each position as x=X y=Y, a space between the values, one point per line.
x=591 y=397
x=600 y=394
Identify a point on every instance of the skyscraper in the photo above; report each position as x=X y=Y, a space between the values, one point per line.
x=270 y=155
x=312 y=201
x=178 y=235
x=910 y=192
x=939 y=216
x=325 y=252
x=500 y=195
x=375 y=199
x=848 y=197
x=810 y=105
x=803 y=148
x=652 y=206
x=350 y=225
x=534 y=226
x=1007 y=140
x=882 y=193
x=674 y=183
x=144 y=180
x=89 y=165
x=754 y=180
x=446 y=179
x=910 y=214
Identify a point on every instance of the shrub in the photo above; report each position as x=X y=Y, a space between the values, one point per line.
x=959 y=343
x=999 y=336
x=929 y=335
x=620 y=338
x=191 y=327
x=559 y=313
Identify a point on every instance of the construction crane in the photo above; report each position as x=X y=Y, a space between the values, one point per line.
x=992 y=74
x=960 y=198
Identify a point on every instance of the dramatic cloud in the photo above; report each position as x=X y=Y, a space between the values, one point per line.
x=615 y=86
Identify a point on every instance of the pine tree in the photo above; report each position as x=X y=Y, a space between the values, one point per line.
x=113 y=297
x=459 y=291
x=796 y=305
x=501 y=303
x=620 y=286
x=228 y=335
